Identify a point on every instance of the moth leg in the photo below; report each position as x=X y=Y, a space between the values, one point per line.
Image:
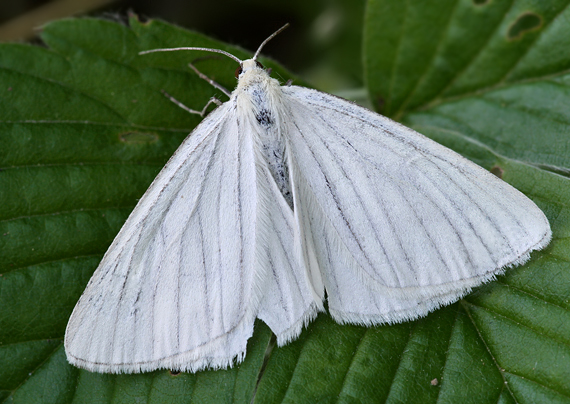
x=212 y=100
x=209 y=80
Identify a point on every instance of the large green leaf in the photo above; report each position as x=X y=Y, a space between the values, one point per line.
x=84 y=129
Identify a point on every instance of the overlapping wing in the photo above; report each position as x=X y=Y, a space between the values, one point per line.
x=290 y=298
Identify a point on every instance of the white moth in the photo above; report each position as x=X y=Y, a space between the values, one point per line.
x=281 y=194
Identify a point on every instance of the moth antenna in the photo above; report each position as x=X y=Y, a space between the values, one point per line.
x=218 y=50
x=193 y=48
x=269 y=39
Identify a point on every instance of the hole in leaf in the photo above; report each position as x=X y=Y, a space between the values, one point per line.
x=498 y=171
x=138 y=137
x=526 y=22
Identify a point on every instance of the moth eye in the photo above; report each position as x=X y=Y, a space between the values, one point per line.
x=259 y=64
x=238 y=72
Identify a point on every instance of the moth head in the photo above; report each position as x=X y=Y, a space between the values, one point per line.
x=248 y=65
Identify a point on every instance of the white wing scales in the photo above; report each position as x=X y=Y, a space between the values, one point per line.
x=161 y=299
x=400 y=224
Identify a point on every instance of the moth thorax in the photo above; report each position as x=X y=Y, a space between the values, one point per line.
x=266 y=120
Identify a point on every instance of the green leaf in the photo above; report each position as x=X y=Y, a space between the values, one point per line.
x=84 y=128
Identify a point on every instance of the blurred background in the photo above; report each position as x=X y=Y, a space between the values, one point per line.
x=322 y=45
